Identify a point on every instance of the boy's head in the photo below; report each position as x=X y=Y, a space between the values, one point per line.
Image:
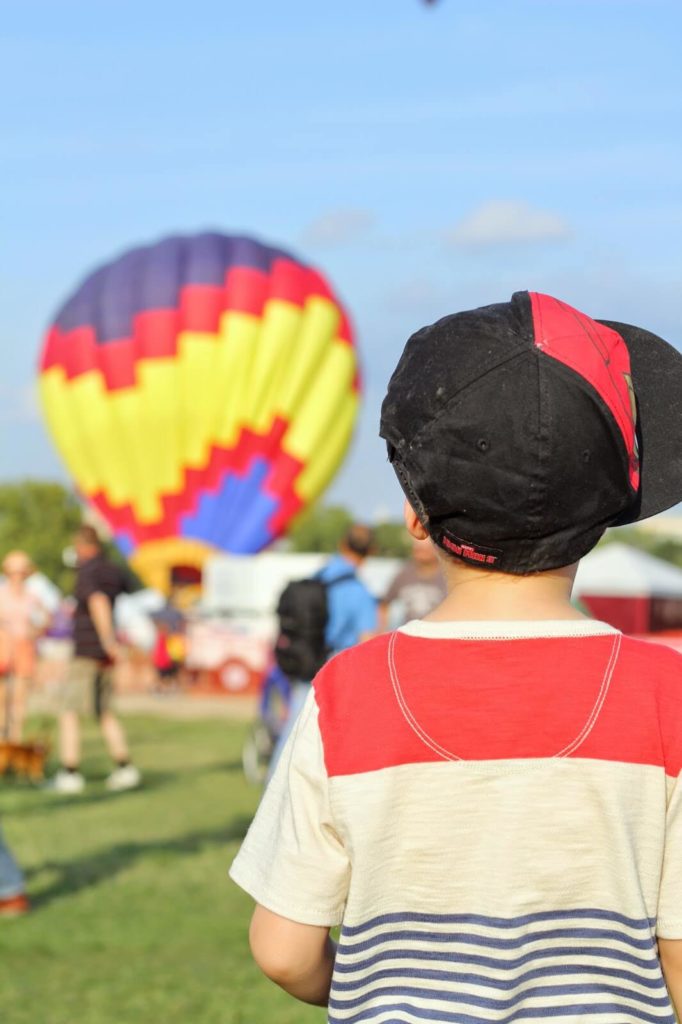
x=521 y=430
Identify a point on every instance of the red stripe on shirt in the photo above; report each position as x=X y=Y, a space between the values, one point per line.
x=494 y=699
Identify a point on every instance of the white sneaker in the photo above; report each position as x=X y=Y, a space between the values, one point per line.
x=127 y=777
x=66 y=782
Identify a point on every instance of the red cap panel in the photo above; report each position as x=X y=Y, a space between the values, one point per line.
x=599 y=355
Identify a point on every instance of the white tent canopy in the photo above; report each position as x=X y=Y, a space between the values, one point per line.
x=251 y=584
x=618 y=570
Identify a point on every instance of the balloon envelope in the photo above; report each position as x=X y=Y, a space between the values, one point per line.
x=201 y=390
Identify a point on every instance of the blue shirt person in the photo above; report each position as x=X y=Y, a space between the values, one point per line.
x=352 y=616
x=352 y=611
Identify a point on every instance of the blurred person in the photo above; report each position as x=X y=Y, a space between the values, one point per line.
x=351 y=616
x=419 y=586
x=168 y=654
x=89 y=683
x=22 y=618
x=13 y=899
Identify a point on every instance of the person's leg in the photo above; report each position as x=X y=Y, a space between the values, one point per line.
x=11 y=878
x=114 y=737
x=69 y=740
x=24 y=672
x=125 y=775
x=4 y=707
x=297 y=698
x=17 y=708
x=75 y=695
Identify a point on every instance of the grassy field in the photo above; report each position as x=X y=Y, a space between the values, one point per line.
x=135 y=920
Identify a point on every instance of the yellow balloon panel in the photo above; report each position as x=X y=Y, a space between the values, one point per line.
x=319 y=471
x=317 y=411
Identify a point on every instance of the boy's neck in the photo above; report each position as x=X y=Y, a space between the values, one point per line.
x=477 y=594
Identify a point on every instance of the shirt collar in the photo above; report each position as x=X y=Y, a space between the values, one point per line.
x=509 y=629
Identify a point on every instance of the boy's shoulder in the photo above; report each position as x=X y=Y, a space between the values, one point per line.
x=649 y=664
x=357 y=667
x=364 y=723
x=357 y=712
x=652 y=662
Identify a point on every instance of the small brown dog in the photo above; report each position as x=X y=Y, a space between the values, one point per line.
x=24 y=759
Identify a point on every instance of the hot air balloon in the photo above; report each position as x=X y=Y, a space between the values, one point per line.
x=202 y=391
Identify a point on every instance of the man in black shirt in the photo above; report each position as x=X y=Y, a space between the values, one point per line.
x=88 y=686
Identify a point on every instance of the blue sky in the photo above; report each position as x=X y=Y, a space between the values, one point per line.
x=428 y=159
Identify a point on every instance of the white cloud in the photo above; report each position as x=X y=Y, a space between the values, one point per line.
x=338 y=227
x=19 y=405
x=508 y=222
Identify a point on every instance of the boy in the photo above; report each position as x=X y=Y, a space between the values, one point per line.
x=487 y=800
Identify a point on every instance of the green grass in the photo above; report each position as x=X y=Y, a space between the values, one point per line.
x=135 y=920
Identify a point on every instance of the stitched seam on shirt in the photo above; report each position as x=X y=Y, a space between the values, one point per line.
x=599 y=703
x=568 y=635
x=406 y=712
x=447 y=755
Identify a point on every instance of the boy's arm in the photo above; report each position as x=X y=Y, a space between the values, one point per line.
x=294 y=863
x=670 y=952
x=297 y=957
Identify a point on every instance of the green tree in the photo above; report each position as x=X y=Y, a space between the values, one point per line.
x=392 y=540
x=40 y=518
x=667 y=548
x=319 y=528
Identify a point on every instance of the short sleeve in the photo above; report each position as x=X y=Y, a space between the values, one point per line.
x=292 y=860
x=669 y=917
x=89 y=581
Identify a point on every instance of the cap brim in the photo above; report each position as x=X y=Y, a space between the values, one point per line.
x=656 y=369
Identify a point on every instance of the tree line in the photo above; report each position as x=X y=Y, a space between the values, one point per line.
x=40 y=517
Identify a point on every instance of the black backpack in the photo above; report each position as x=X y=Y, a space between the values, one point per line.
x=301 y=648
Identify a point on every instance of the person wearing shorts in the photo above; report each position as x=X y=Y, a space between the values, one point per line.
x=88 y=688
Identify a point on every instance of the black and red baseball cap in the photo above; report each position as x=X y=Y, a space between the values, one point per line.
x=520 y=431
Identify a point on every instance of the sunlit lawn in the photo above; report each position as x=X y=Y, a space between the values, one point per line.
x=135 y=920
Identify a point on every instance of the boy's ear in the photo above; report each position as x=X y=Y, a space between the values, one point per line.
x=414 y=525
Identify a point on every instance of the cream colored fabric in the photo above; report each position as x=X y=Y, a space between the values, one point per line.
x=510 y=837
x=292 y=860
x=669 y=924
x=489 y=890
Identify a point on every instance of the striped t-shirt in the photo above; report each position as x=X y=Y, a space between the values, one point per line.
x=492 y=813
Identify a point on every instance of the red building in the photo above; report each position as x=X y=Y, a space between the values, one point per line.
x=630 y=589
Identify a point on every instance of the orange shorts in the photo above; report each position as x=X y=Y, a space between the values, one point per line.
x=17 y=656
